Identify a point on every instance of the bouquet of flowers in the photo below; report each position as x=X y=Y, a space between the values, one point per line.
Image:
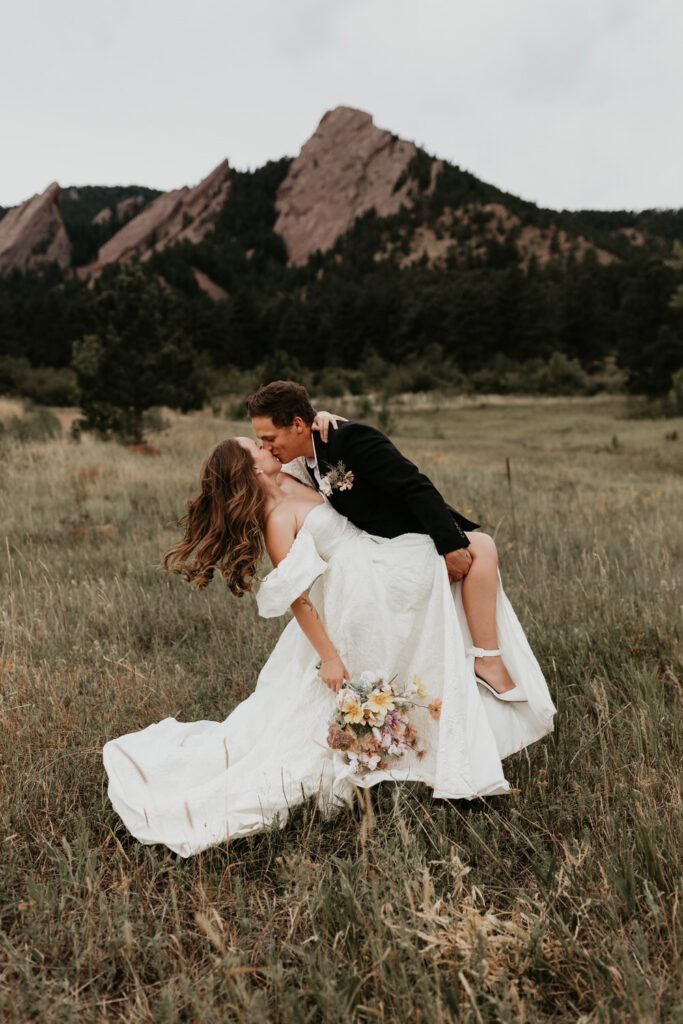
x=371 y=724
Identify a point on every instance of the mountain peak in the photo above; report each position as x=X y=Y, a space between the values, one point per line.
x=185 y=214
x=347 y=167
x=33 y=233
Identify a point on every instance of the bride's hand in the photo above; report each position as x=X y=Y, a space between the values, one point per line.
x=333 y=673
x=322 y=423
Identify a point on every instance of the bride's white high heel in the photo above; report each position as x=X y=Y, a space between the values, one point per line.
x=510 y=696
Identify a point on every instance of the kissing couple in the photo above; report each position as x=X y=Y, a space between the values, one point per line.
x=385 y=580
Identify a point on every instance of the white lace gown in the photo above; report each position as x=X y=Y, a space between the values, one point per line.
x=385 y=604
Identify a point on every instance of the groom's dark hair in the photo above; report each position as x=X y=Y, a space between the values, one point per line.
x=282 y=400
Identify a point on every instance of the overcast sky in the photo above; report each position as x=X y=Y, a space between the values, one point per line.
x=570 y=104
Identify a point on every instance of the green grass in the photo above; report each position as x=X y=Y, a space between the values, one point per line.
x=559 y=902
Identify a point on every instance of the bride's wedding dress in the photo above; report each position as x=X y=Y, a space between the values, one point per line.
x=385 y=604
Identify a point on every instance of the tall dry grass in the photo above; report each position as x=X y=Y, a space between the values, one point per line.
x=558 y=902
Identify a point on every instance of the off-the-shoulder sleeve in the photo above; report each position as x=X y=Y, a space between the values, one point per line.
x=298 y=569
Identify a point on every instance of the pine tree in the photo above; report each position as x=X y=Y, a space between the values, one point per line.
x=135 y=358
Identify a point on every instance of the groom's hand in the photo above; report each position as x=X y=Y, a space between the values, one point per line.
x=458 y=564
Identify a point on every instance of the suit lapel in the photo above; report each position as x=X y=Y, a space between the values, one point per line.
x=321 y=454
x=319 y=449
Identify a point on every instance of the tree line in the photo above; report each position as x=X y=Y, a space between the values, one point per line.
x=483 y=316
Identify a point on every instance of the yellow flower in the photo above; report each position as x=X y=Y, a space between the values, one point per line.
x=350 y=707
x=348 y=699
x=354 y=716
x=381 y=702
x=421 y=692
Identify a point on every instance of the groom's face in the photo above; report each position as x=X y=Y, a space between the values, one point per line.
x=286 y=443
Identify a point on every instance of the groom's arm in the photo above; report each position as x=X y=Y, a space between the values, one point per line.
x=374 y=457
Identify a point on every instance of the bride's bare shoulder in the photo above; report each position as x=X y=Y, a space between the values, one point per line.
x=280 y=530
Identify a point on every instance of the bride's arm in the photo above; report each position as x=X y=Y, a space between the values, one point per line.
x=324 y=420
x=280 y=533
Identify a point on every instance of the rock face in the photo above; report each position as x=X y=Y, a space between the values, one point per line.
x=123 y=210
x=213 y=290
x=184 y=214
x=345 y=169
x=104 y=216
x=34 y=234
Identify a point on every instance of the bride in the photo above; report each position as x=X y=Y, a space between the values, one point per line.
x=360 y=602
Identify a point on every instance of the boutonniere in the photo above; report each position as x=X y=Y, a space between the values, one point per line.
x=337 y=479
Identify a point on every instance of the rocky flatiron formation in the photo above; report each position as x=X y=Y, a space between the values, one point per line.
x=33 y=234
x=349 y=166
x=122 y=210
x=213 y=290
x=185 y=214
x=346 y=168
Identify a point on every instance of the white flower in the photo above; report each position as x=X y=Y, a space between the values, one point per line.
x=369 y=677
x=347 y=696
x=325 y=487
x=373 y=761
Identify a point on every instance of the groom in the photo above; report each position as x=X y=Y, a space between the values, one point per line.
x=361 y=473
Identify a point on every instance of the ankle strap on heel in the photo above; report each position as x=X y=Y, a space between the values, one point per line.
x=479 y=652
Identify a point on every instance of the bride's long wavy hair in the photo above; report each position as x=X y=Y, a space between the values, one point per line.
x=223 y=524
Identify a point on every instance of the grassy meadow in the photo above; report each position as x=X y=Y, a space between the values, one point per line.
x=560 y=902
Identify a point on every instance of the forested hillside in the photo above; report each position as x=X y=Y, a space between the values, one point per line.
x=94 y=213
x=463 y=285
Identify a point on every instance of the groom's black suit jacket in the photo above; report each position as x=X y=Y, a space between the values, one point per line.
x=389 y=495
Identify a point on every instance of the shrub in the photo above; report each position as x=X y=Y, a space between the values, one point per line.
x=561 y=376
x=674 y=399
x=46 y=385
x=37 y=424
x=331 y=383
